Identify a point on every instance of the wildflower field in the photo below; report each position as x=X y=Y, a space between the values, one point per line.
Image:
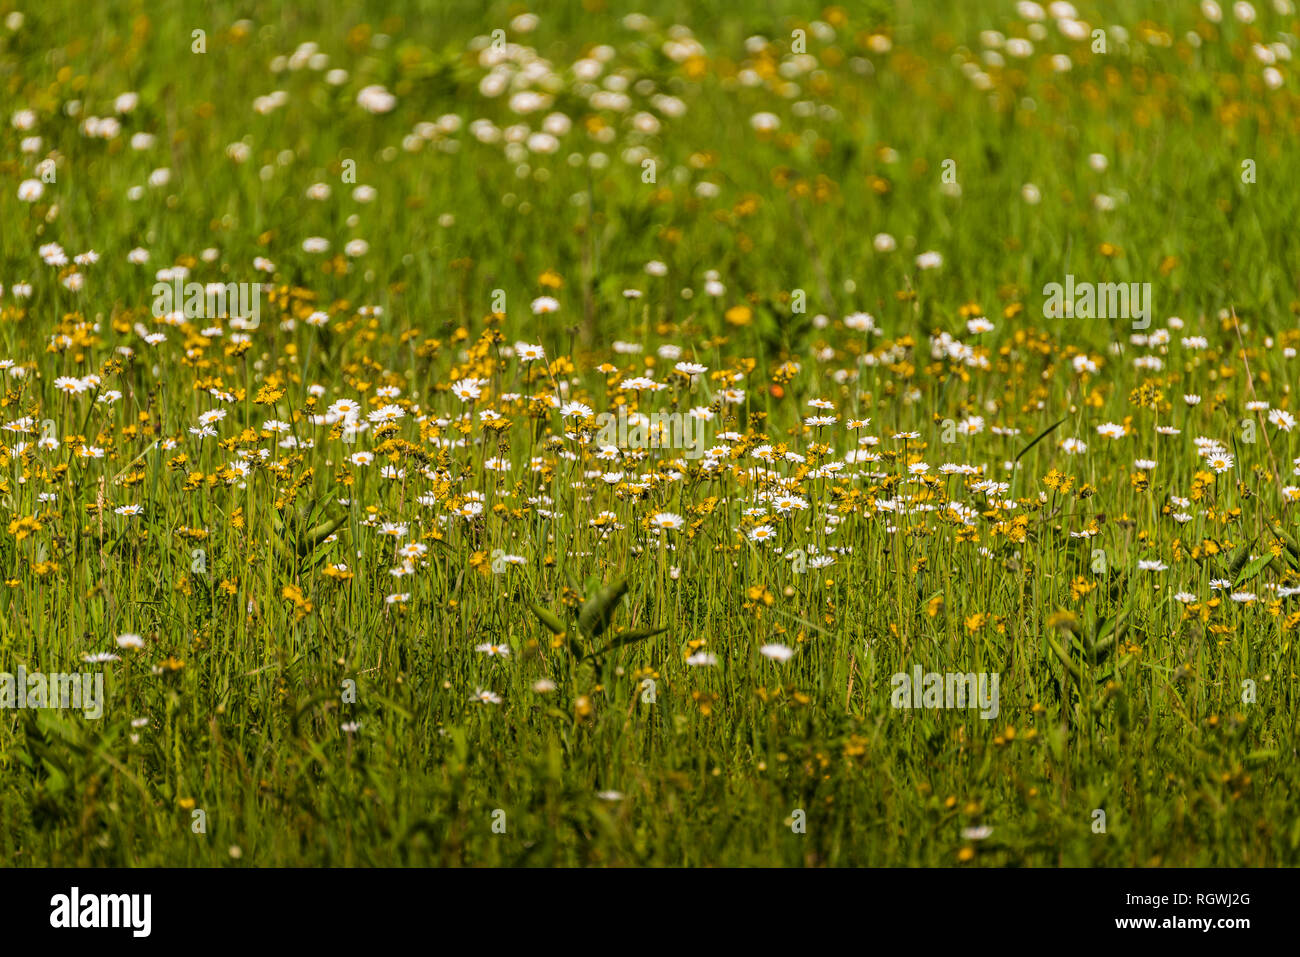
x=700 y=433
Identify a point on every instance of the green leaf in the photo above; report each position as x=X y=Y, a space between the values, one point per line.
x=549 y=619
x=599 y=609
x=1254 y=567
x=629 y=638
x=1041 y=435
x=1060 y=653
x=1238 y=558
x=321 y=532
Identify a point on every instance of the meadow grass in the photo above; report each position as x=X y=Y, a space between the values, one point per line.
x=385 y=600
